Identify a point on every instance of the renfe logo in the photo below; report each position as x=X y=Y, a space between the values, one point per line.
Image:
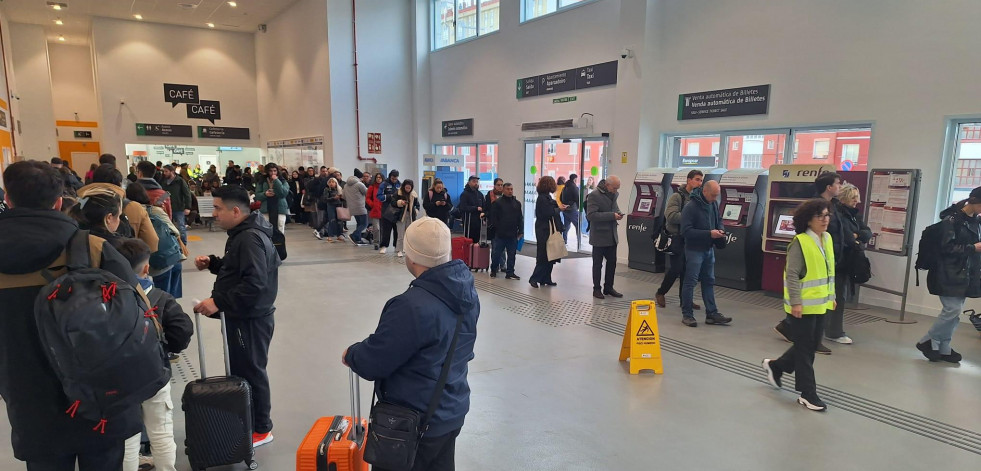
x=730 y=238
x=813 y=173
x=637 y=227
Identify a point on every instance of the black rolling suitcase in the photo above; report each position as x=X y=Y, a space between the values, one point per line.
x=218 y=415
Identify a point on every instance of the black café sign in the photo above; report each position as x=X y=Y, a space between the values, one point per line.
x=177 y=93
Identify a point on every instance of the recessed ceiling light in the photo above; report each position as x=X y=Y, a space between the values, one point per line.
x=61 y=38
x=211 y=25
x=138 y=16
x=59 y=22
x=56 y=6
x=232 y=4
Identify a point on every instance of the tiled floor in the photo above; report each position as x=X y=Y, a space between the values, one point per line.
x=549 y=394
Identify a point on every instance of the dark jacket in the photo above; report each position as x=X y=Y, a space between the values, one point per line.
x=315 y=187
x=601 y=211
x=698 y=219
x=570 y=196
x=837 y=232
x=248 y=274
x=387 y=192
x=958 y=273
x=180 y=194
x=505 y=216
x=232 y=176
x=406 y=352
x=333 y=196
x=439 y=212
x=470 y=200
x=852 y=224
x=177 y=325
x=40 y=428
x=546 y=215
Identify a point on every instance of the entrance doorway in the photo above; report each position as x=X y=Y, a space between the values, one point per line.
x=560 y=158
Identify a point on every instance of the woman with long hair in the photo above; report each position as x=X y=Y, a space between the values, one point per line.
x=547 y=220
x=334 y=199
x=408 y=201
x=375 y=214
x=98 y=212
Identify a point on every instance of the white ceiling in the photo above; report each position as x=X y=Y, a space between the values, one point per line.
x=77 y=18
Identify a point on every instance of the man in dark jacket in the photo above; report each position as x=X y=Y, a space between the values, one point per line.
x=505 y=216
x=233 y=176
x=471 y=207
x=245 y=290
x=406 y=353
x=672 y=223
x=489 y=200
x=701 y=226
x=570 y=198
x=180 y=199
x=387 y=193
x=604 y=216
x=34 y=234
x=315 y=188
x=955 y=276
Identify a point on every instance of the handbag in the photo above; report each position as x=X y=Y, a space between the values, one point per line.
x=343 y=213
x=665 y=242
x=555 y=246
x=859 y=268
x=394 y=431
x=392 y=213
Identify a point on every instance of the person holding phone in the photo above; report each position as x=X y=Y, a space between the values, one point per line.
x=271 y=191
x=604 y=215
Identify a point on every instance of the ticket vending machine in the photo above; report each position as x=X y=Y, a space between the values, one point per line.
x=788 y=187
x=649 y=195
x=740 y=265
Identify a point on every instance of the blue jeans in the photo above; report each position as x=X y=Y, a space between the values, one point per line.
x=943 y=328
x=180 y=220
x=501 y=244
x=171 y=281
x=699 y=266
x=331 y=222
x=362 y=220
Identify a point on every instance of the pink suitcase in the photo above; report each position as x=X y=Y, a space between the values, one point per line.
x=479 y=256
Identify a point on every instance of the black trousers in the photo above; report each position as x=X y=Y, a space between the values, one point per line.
x=610 y=254
x=387 y=229
x=248 y=353
x=836 y=318
x=806 y=333
x=471 y=226
x=676 y=271
x=435 y=454
x=106 y=459
x=542 y=273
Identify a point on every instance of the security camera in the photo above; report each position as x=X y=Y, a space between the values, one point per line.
x=262 y=28
x=122 y=101
x=626 y=53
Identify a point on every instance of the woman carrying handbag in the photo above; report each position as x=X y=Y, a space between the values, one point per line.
x=547 y=220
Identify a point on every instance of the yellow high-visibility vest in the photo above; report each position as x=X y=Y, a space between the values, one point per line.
x=818 y=285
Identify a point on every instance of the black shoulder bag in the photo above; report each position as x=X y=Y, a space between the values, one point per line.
x=395 y=431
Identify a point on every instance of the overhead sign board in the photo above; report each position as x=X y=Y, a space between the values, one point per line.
x=741 y=101
x=176 y=93
x=458 y=127
x=163 y=130
x=205 y=109
x=302 y=141
x=83 y=134
x=700 y=162
x=220 y=132
x=590 y=76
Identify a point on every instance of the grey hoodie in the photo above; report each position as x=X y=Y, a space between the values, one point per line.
x=354 y=194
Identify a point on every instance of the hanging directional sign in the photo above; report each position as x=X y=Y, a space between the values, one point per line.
x=580 y=78
x=742 y=101
x=220 y=132
x=163 y=130
x=458 y=127
x=206 y=109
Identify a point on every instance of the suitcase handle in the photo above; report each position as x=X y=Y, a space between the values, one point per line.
x=355 y=387
x=224 y=341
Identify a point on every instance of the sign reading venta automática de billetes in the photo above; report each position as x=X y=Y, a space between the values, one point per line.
x=742 y=101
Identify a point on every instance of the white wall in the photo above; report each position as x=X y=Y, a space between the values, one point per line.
x=293 y=74
x=72 y=82
x=35 y=132
x=385 y=31
x=133 y=60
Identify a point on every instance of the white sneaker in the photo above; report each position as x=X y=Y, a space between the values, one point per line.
x=399 y=254
x=383 y=250
x=318 y=235
x=844 y=339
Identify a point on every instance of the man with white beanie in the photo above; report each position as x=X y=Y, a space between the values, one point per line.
x=405 y=355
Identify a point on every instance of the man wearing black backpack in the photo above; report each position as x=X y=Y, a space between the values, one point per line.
x=34 y=234
x=954 y=246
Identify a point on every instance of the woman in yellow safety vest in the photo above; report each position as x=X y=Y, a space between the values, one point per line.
x=808 y=293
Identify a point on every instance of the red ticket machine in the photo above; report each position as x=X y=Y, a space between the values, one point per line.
x=789 y=186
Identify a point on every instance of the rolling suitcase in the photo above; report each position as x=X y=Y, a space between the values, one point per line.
x=461 y=249
x=479 y=252
x=336 y=443
x=218 y=415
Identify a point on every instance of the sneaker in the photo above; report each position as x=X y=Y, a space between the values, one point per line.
x=612 y=292
x=550 y=283
x=689 y=321
x=173 y=357
x=400 y=254
x=261 y=438
x=659 y=299
x=598 y=294
x=717 y=319
x=383 y=250
x=512 y=277
x=783 y=330
x=844 y=339
x=376 y=246
x=822 y=349
x=772 y=376
x=927 y=348
x=318 y=235
x=812 y=402
x=953 y=357
x=493 y=274
x=534 y=284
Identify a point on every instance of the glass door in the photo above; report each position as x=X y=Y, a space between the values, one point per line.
x=559 y=158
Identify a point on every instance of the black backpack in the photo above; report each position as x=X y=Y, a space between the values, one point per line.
x=102 y=339
x=125 y=228
x=929 y=253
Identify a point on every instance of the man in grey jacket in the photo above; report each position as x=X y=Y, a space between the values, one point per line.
x=672 y=223
x=354 y=197
x=602 y=212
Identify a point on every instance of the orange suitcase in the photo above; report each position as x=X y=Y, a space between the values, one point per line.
x=336 y=443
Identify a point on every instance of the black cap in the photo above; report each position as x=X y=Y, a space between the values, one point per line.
x=358 y=173
x=975 y=197
x=56 y=161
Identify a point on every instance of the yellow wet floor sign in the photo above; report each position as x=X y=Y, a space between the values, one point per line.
x=641 y=342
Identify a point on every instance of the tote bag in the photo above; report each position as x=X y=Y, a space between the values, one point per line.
x=556 y=244
x=343 y=213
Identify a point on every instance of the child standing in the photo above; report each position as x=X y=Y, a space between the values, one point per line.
x=158 y=411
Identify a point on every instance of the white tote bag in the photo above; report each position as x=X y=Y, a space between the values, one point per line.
x=555 y=246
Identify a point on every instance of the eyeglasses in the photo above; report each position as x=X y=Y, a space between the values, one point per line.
x=823 y=216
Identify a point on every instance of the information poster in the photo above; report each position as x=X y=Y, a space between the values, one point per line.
x=892 y=196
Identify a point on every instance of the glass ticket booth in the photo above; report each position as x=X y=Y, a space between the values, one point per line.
x=649 y=195
x=740 y=265
x=788 y=187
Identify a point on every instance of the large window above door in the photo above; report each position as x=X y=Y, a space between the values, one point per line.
x=460 y=20
x=479 y=159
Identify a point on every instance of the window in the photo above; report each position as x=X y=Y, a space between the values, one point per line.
x=735 y=145
x=849 y=152
x=715 y=148
x=531 y=9
x=459 y=20
x=834 y=147
x=693 y=148
x=822 y=147
x=966 y=162
x=479 y=159
x=769 y=144
x=586 y=153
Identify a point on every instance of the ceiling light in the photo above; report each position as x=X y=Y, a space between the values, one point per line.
x=56 y=6
x=61 y=38
x=211 y=25
x=59 y=22
x=232 y=4
x=138 y=16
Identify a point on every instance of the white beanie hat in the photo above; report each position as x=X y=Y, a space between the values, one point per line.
x=427 y=242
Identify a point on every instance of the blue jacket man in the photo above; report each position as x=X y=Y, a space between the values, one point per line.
x=405 y=354
x=701 y=227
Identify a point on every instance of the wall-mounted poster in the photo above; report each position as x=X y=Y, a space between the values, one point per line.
x=892 y=197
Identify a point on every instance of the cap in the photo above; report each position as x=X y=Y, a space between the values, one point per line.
x=427 y=242
x=976 y=195
x=56 y=161
x=358 y=173
x=169 y=167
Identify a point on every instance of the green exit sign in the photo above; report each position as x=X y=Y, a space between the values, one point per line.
x=565 y=99
x=83 y=134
